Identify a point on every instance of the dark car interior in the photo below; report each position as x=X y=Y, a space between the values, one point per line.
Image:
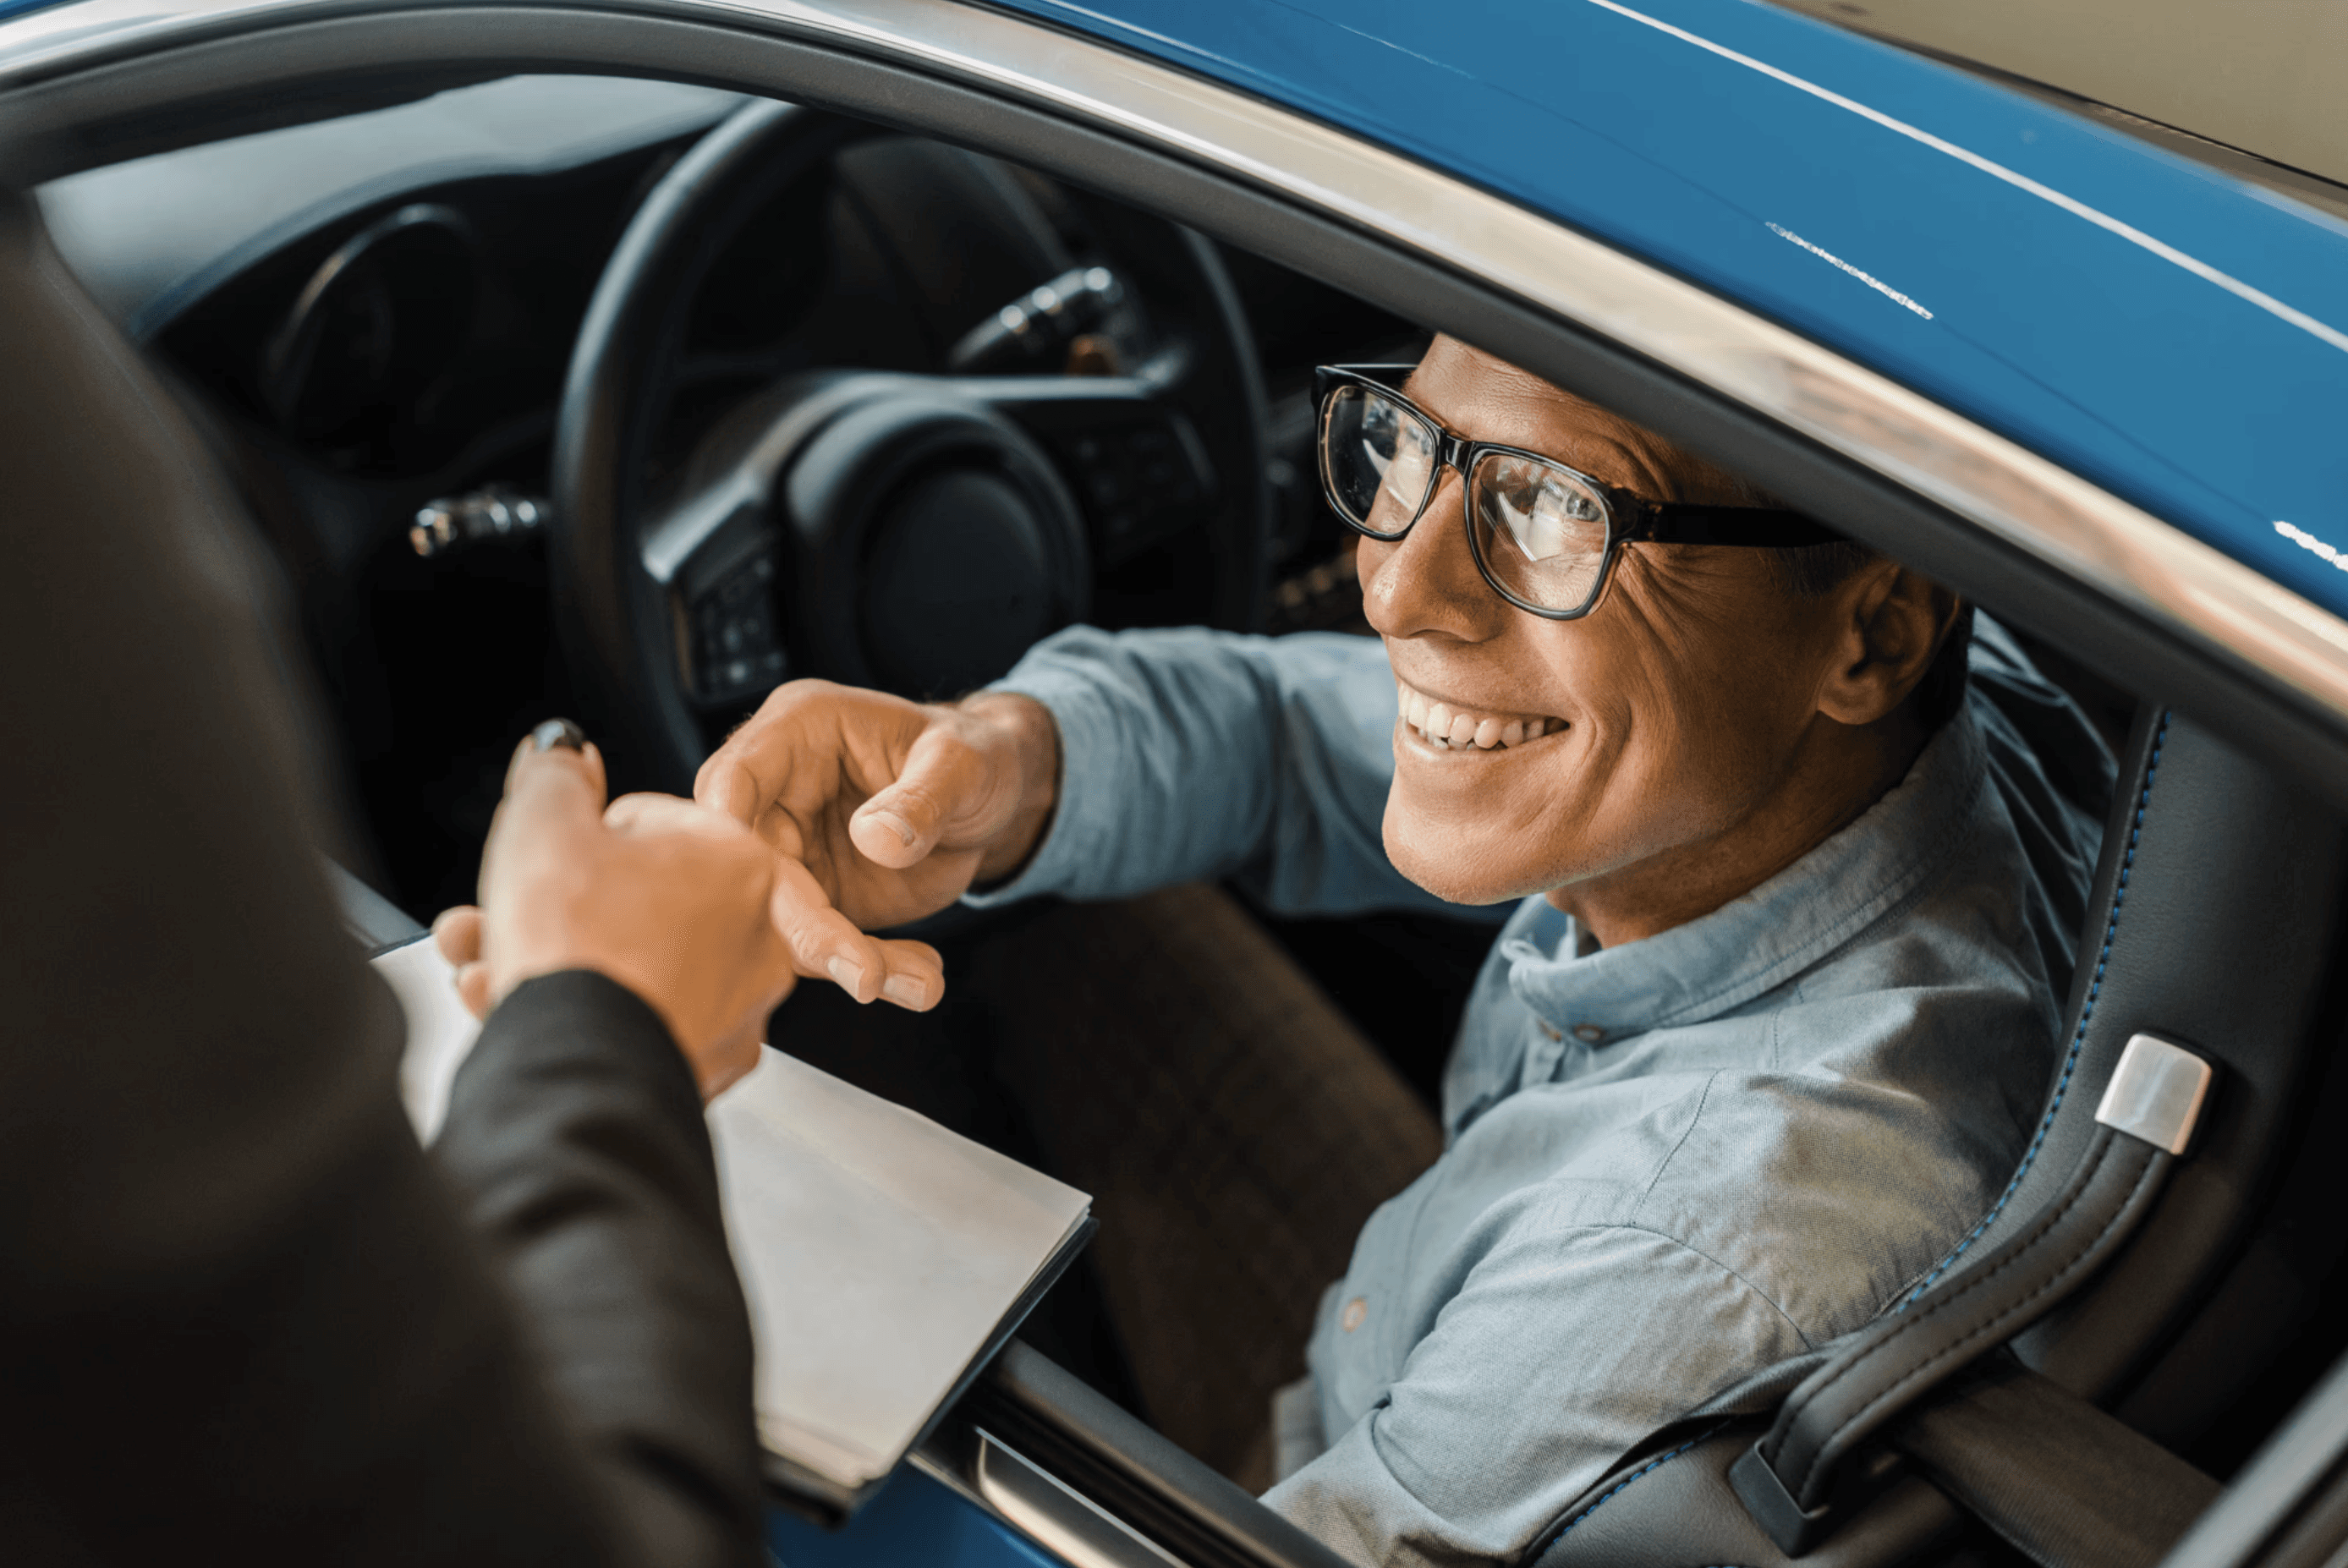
x=413 y=350
x=410 y=366
x=384 y=380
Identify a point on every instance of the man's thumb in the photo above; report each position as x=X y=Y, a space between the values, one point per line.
x=896 y=828
x=901 y=825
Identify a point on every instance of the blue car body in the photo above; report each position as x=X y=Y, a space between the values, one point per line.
x=2177 y=334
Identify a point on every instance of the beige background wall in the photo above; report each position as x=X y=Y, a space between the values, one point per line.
x=2269 y=76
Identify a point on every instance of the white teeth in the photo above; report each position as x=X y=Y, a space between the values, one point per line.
x=1448 y=729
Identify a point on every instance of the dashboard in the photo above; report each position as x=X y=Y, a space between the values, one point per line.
x=370 y=319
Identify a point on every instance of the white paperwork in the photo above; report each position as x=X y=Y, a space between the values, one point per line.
x=880 y=1253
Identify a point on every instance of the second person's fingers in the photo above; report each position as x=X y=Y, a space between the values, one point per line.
x=473 y=988
x=458 y=934
x=648 y=812
x=553 y=776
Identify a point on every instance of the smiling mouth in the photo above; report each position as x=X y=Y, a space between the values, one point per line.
x=1449 y=728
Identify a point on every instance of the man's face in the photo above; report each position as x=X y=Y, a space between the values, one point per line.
x=1674 y=714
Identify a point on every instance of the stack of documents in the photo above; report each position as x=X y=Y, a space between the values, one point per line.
x=885 y=1259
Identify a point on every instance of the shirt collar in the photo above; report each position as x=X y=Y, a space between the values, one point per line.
x=1763 y=938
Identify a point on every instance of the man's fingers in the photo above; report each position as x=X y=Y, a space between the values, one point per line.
x=917 y=976
x=458 y=934
x=800 y=724
x=725 y=784
x=942 y=780
x=821 y=939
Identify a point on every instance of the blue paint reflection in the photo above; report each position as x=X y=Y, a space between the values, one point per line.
x=914 y=1523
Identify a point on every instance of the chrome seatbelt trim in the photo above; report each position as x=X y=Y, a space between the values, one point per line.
x=2156 y=1093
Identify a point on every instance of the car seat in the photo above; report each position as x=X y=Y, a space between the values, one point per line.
x=2092 y=1284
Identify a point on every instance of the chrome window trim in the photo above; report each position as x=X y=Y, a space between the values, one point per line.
x=2136 y=559
x=1031 y=1500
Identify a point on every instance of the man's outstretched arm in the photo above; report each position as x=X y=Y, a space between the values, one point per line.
x=1104 y=765
x=1191 y=754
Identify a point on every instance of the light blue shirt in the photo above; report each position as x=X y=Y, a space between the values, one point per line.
x=1667 y=1164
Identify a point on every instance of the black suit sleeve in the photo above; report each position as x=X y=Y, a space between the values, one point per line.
x=575 y=1135
x=241 y=1315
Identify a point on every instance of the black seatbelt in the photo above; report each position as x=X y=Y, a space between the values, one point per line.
x=2066 y=1484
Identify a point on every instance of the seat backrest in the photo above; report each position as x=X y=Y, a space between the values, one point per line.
x=2213 y=926
x=2219 y=890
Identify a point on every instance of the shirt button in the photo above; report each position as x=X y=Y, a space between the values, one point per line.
x=1355 y=1310
x=1589 y=1033
x=1551 y=1031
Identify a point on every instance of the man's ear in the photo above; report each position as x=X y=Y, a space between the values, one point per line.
x=1890 y=621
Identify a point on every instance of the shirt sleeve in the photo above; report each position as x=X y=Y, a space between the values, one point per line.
x=1539 y=1375
x=1192 y=754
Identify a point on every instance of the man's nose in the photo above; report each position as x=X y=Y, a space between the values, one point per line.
x=1427 y=582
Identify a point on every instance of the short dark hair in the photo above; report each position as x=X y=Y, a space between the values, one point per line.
x=1813 y=570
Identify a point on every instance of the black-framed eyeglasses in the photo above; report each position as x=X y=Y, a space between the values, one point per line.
x=1544 y=536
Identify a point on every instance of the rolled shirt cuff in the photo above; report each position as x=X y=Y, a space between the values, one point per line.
x=1087 y=834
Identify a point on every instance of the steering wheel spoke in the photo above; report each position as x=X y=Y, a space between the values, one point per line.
x=716 y=556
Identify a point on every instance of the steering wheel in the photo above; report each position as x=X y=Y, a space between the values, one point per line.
x=911 y=532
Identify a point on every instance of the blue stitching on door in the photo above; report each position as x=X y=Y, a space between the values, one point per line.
x=2078 y=1036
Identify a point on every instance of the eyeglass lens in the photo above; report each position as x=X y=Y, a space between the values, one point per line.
x=1378 y=459
x=1539 y=531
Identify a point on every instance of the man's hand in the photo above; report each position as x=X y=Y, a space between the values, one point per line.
x=674 y=902
x=879 y=811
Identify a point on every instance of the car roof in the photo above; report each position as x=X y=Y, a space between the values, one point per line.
x=2175 y=334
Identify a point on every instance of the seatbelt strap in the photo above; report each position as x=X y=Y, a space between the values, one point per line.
x=2060 y=1481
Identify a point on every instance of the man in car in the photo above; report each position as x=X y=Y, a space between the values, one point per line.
x=1764 y=1034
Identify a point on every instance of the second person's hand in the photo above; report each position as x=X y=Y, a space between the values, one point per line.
x=881 y=810
x=668 y=899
